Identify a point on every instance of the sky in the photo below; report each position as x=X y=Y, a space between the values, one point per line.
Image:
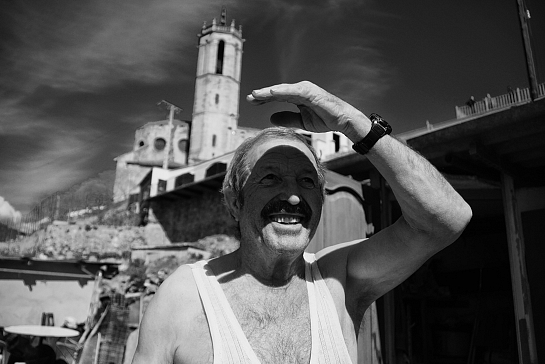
x=77 y=78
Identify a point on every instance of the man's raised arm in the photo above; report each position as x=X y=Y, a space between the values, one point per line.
x=433 y=213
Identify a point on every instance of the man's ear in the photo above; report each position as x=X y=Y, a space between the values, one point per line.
x=232 y=203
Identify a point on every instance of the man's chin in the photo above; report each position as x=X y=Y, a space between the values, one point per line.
x=289 y=229
x=286 y=236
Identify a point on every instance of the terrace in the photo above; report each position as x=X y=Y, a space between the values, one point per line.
x=497 y=103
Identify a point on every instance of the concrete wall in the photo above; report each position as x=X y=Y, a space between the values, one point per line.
x=22 y=306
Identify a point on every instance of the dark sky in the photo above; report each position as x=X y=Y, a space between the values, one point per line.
x=78 y=77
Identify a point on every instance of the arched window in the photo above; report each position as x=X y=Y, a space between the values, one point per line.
x=219 y=60
x=160 y=143
x=182 y=145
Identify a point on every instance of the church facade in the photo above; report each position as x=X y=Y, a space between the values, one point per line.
x=213 y=130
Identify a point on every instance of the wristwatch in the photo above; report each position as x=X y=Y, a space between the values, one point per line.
x=379 y=128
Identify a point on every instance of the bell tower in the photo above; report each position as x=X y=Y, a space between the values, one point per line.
x=217 y=90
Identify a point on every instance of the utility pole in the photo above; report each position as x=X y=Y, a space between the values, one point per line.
x=524 y=15
x=173 y=109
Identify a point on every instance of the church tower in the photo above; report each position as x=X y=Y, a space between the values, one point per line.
x=217 y=90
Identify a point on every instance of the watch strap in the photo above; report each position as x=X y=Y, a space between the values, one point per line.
x=379 y=128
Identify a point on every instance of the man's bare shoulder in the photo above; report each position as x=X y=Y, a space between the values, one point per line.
x=338 y=249
x=177 y=300
x=335 y=263
x=332 y=260
x=179 y=285
x=170 y=319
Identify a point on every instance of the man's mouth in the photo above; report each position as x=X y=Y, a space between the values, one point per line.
x=284 y=213
x=286 y=219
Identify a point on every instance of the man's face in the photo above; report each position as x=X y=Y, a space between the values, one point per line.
x=282 y=198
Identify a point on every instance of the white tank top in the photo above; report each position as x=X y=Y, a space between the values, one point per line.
x=231 y=346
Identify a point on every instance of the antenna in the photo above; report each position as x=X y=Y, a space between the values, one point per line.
x=173 y=109
x=524 y=16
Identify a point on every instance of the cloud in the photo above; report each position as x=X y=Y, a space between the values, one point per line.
x=331 y=38
x=7 y=212
x=42 y=153
x=363 y=77
x=83 y=46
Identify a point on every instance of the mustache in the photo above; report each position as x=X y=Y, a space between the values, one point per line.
x=280 y=205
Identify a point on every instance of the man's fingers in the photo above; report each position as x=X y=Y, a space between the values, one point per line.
x=261 y=96
x=252 y=100
x=288 y=119
x=293 y=93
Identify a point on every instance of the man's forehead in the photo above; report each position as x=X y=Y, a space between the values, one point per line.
x=271 y=150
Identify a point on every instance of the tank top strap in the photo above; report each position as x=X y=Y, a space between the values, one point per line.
x=229 y=342
x=213 y=325
x=328 y=332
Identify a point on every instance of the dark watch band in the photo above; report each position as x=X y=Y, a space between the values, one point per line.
x=379 y=128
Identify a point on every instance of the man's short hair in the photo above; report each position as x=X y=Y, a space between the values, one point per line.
x=239 y=169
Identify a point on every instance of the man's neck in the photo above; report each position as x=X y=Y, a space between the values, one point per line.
x=273 y=270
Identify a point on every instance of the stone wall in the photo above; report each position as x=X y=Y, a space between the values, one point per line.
x=185 y=220
x=78 y=241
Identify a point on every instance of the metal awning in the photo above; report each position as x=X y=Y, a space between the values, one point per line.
x=511 y=141
x=30 y=269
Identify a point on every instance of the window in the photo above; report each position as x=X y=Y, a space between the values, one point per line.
x=215 y=168
x=141 y=143
x=217 y=99
x=159 y=143
x=184 y=179
x=337 y=141
x=161 y=186
x=214 y=140
x=219 y=60
x=182 y=145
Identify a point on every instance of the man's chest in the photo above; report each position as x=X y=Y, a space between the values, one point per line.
x=275 y=322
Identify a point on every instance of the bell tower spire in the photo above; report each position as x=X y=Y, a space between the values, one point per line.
x=223 y=19
x=217 y=90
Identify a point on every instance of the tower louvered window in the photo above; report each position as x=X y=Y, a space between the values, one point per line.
x=219 y=61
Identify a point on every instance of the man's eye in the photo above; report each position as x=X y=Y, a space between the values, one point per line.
x=308 y=182
x=269 y=178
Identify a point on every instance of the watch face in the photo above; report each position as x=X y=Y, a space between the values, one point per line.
x=387 y=127
x=378 y=120
x=379 y=128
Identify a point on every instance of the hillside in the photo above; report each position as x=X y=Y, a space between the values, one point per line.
x=88 y=241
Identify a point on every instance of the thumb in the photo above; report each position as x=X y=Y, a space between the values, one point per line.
x=287 y=119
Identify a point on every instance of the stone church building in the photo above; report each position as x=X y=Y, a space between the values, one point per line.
x=213 y=130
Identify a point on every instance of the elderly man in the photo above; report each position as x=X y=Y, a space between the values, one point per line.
x=269 y=302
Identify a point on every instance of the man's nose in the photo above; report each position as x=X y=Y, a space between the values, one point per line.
x=294 y=200
x=291 y=192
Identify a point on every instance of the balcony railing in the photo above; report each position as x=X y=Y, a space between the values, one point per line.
x=515 y=97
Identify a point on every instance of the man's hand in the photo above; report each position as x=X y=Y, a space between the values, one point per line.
x=320 y=111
